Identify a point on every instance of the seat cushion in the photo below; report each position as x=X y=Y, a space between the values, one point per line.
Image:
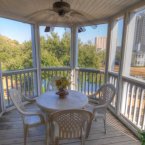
x=32 y=120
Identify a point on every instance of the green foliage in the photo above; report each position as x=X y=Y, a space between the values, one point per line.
x=142 y=137
x=55 y=51
x=13 y=55
x=89 y=57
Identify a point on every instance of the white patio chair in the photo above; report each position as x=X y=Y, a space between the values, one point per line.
x=30 y=119
x=99 y=102
x=68 y=124
x=51 y=84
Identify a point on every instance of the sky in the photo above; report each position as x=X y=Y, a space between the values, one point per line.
x=22 y=32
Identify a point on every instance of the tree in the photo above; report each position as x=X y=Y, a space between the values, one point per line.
x=88 y=56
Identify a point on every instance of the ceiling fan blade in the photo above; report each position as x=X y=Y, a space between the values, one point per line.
x=81 y=15
x=39 y=13
x=73 y=12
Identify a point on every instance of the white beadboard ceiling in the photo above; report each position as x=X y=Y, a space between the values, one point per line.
x=90 y=9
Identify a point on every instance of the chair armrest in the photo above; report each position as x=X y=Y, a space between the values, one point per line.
x=93 y=99
x=29 y=99
x=99 y=107
x=35 y=114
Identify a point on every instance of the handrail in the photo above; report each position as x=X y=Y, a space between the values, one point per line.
x=113 y=74
x=135 y=81
x=56 y=68
x=18 y=71
x=90 y=70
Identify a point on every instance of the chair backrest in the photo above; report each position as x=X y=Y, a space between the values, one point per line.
x=17 y=99
x=106 y=93
x=70 y=123
x=51 y=84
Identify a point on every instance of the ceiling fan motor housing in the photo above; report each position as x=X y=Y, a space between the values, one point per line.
x=61 y=8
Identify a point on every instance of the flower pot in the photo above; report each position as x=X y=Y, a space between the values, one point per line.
x=62 y=93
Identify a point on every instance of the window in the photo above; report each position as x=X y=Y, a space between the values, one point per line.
x=15 y=45
x=55 y=46
x=92 y=47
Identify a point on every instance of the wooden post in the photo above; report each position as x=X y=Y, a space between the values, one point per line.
x=74 y=56
x=36 y=58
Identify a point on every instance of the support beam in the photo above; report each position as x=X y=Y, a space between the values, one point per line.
x=107 y=51
x=129 y=44
x=74 y=56
x=113 y=45
x=1 y=93
x=36 y=57
x=119 y=85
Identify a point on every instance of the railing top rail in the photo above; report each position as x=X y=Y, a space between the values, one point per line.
x=90 y=70
x=113 y=74
x=56 y=68
x=18 y=71
x=134 y=81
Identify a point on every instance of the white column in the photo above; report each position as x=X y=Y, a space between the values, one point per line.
x=129 y=44
x=74 y=56
x=122 y=62
x=107 y=51
x=36 y=57
x=113 y=45
x=1 y=93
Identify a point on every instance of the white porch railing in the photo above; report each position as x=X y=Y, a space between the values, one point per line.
x=20 y=79
x=89 y=80
x=132 y=100
x=86 y=81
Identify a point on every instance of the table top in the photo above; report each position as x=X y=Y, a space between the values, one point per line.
x=50 y=101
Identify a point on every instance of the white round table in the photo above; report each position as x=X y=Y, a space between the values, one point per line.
x=50 y=101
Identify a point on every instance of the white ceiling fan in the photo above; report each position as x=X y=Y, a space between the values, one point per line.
x=63 y=10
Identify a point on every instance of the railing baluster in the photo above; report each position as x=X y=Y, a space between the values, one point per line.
x=28 y=83
x=7 y=92
x=96 y=84
x=88 y=82
x=127 y=96
x=92 y=86
x=140 y=107
x=85 y=83
x=131 y=103
x=82 y=86
x=135 y=105
x=11 y=81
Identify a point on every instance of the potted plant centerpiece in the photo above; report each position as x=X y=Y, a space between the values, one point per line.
x=62 y=85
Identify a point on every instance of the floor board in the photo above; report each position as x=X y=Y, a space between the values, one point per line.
x=11 y=132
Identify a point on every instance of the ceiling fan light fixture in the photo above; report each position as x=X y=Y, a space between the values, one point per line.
x=81 y=29
x=61 y=8
x=47 y=29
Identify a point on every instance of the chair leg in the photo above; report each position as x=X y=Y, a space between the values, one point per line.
x=83 y=140
x=105 y=126
x=88 y=129
x=56 y=142
x=47 y=134
x=25 y=134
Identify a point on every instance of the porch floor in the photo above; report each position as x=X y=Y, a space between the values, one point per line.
x=11 y=132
